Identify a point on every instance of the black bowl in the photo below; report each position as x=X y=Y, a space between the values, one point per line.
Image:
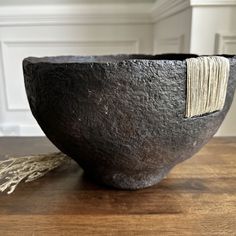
x=122 y=118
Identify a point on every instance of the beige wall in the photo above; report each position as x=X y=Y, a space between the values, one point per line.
x=85 y=27
x=214 y=32
x=207 y=27
x=172 y=34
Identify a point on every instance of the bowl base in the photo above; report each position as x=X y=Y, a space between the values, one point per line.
x=128 y=182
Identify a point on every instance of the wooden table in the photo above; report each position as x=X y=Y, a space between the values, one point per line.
x=197 y=198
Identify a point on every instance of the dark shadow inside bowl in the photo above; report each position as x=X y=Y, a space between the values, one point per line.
x=112 y=58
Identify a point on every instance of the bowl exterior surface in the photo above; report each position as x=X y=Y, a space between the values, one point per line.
x=123 y=122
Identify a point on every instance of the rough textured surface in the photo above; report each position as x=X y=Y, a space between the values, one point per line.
x=123 y=121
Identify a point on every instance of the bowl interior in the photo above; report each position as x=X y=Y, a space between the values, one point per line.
x=112 y=58
x=108 y=58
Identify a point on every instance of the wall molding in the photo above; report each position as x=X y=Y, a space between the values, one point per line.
x=163 y=8
x=213 y=3
x=112 y=13
x=178 y=42
x=222 y=41
x=132 y=43
x=20 y=130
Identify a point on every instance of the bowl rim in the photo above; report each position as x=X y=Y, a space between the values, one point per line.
x=115 y=58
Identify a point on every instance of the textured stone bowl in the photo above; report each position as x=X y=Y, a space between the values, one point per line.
x=122 y=118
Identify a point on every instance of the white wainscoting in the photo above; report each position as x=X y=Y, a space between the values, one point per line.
x=225 y=43
x=13 y=52
x=170 y=45
x=172 y=33
x=62 y=29
x=84 y=27
x=208 y=27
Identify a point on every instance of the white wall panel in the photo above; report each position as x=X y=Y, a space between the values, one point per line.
x=206 y=23
x=208 y=27
x=214 y=32
x=37 y=28
x=226 y=44
x=13 y=52
x=90 y=33
x=172 y=34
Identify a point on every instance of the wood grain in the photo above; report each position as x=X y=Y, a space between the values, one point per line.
x=197 y=198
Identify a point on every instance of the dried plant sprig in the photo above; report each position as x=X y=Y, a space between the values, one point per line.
x=28 y=168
